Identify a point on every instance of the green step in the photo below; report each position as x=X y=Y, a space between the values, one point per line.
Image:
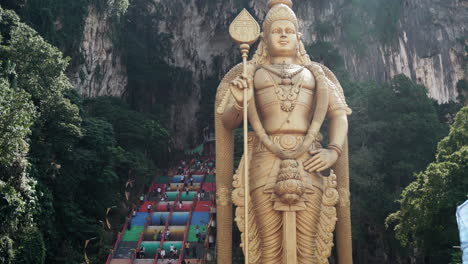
x=172 y=195
x=191 y=237
x=133 y=234
x=189 y=197
x=151 y=248
x=210 y=178
x=167 y=246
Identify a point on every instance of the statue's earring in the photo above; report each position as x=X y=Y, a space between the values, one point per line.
x=262 y=38
x=299 y=36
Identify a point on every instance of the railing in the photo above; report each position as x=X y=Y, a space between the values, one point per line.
x=187 y=227
x=119 y=237
x=199 y=190
x=140 y=238
x=207 y=240
x=166 y=226
x=110 y=256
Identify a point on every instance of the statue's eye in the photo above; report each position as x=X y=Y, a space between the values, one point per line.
x=290 y=31
x=276 y=31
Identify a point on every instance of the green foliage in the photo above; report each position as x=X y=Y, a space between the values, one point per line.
x=462 y=88
x=7 y=253
x=324 y=29
x=135 y=131
x=17 y=114
x=16 y=118
x=394 y=130
x=60 y=22
x=447 y=111
x=324 y=52
x=32 y=248
x=120 y=7
x=426 y=215
x=81 y=153
x=457 y=257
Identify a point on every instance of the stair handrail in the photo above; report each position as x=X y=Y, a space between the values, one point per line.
x=119 y=236
x=140 y=238
x=187 y=227
x=161 y=241
x=208 y=229
x=166 y=226
x=110 y=256
x=207 y=246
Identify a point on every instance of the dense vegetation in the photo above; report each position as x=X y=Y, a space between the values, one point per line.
x=64 y=160
x=436 y=192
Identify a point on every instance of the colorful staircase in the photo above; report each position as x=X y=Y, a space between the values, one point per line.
x=189 y=221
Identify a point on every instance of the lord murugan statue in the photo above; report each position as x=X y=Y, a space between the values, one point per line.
x=299 y=190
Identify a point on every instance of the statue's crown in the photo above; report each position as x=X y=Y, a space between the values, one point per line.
x=279 y=10
x=272 y=3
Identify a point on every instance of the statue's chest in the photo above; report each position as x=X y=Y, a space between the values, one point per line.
x=285 y=90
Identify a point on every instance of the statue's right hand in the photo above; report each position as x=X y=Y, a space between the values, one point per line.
x=237 y=87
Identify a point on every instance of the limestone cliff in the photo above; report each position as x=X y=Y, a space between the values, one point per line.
x=101 y=70
x=427 y=42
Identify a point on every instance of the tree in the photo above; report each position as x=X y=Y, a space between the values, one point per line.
x=32 y=248
x=394 y=130
x=59 y=153
x=426 y=217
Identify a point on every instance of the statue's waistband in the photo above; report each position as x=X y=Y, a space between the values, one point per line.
x=267 y=179
x=288 y=142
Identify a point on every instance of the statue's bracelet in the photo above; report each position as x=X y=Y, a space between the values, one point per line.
x=238 y=107
x=336 y=148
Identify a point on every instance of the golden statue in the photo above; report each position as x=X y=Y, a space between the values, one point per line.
x=299 y=191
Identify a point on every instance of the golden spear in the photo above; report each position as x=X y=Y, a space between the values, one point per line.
x=244 y=30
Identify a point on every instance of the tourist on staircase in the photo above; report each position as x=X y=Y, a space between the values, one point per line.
x=168 y=233
x=142 y=252
x=187 y=249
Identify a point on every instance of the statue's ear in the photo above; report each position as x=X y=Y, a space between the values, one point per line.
x=299 y=35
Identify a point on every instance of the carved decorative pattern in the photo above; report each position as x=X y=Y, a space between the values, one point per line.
x=223 y=196
x=327 y=219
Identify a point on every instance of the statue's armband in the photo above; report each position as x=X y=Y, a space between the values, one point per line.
x=336 y=100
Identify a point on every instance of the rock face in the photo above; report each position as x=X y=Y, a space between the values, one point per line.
x=429 y=48
x=428 y=45
x=102 y=71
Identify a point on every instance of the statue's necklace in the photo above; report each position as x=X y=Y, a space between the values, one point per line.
x=286 y=91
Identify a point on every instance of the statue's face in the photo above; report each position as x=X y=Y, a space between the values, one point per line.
x=282 y=39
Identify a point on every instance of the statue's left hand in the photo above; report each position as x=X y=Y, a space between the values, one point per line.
x=322 y=159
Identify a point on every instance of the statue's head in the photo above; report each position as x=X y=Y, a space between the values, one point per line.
x=280 y=29
x=280 y=33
